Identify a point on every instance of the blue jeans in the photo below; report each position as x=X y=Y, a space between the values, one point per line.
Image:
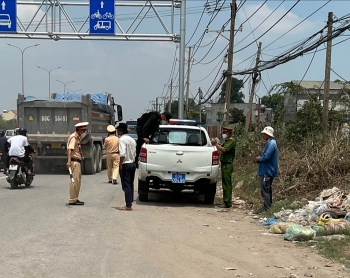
x=127 y=176
x=266 y=190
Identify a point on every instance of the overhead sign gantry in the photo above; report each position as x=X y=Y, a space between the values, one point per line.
x=88 y=20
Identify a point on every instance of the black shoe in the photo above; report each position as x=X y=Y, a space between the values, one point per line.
x=109 y=181
x=223 y=206
x=77 y=203
x=115 y=182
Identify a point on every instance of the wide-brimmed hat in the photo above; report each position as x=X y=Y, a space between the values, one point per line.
x=123 y=127
x=269 y=131
x=111 y=128
x=82 y=125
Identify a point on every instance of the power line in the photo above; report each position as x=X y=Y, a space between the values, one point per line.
x=259 y=24
x=297 y=25
x=222 y=62
x=339 y=76
x=298 y=50
x=307 y=69
x=268 y=29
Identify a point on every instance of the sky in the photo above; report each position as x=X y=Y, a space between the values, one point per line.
x=138 y=72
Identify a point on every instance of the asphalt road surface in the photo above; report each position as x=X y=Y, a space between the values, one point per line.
x=170 y=236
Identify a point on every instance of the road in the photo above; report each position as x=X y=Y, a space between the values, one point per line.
x=41 y=236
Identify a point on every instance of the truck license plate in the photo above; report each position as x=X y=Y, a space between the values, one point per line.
x=178 y=178
x=55 y=145
x=13 y=167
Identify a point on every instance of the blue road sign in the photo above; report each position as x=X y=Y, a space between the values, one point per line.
x=8 y=16
x=101 y=17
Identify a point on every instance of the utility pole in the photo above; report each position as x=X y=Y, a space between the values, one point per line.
x=188 y=80
x=249 y=116
x=170 y=93
x=230 y=62
x=200 y=105
x=152 y=103
x=327 y=73
x=157 y=104
x=182 y=59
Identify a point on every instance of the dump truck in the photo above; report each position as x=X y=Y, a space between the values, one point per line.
x=50 y=121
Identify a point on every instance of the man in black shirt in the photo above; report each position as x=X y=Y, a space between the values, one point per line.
x=146 y=126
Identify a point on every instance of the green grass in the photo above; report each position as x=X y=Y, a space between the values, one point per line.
x=336 y=250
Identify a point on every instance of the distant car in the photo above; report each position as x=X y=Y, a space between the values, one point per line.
x=5 y=20
x=9 y=133
x=133 y=136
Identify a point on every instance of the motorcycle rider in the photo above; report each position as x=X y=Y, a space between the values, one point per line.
x=3 y=141
x=20 y=148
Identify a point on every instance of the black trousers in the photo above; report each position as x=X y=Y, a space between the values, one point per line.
x=266 y=190
x=127 y=176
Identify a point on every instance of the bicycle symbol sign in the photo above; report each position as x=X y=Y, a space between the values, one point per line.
x=102 y=17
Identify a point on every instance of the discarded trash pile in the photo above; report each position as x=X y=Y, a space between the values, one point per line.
x=328 y=215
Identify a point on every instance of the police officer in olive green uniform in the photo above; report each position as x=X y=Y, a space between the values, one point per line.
x=227 y=154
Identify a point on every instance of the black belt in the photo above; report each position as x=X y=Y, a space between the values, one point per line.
x=75 y=160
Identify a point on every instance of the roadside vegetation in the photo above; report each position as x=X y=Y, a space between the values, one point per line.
x=310 y=160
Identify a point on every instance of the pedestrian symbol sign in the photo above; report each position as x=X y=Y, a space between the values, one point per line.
x=101 y=17
x=8 y=16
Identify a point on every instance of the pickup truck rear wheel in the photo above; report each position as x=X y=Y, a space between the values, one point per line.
x=143 y=191
x=209 y=194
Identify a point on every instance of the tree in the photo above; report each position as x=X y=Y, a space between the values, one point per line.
x=273 y=101
x=5 y=125
x=276 y=103
x=236 y=115
x=236 y=94
x=308 y=121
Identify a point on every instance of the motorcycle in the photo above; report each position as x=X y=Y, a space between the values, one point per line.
x=17 y=173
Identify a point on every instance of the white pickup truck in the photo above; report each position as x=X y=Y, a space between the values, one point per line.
x=179 y=157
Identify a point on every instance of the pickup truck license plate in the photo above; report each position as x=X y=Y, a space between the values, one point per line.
x=178 y=178
x=13 y=167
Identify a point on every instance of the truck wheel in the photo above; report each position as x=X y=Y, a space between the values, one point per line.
x=41 y=168
x=143 y=191
x=90 y=164
x=209 y=194
x=104 y=164
x=98 y=158
x=38 y=169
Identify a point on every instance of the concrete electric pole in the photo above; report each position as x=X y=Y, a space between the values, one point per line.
x=182 y=59
x=252 y=91
x=327 y=73
x=188 y=81
x=170 y=93
x=230 y=62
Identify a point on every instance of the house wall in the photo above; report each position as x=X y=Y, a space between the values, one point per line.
x=8 y=116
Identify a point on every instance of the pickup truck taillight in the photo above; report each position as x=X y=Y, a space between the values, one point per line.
x=143 y=155
x=215 y=158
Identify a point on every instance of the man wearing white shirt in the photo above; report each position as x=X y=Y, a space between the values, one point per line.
x=127 y=166
x=18 y=147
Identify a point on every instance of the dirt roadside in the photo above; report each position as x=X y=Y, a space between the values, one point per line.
x=199 y=241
